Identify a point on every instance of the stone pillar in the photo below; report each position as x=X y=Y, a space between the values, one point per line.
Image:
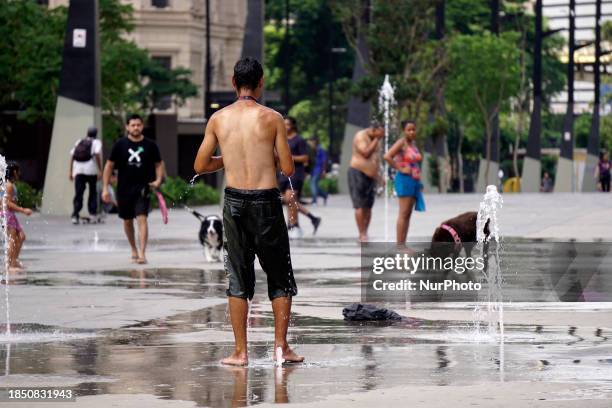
x=589 y=183
x=532 y=167
x=358 y=118
x=565 y=179
x=78 y=102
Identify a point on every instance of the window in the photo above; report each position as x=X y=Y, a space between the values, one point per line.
x=159 y=3
x=162 y=102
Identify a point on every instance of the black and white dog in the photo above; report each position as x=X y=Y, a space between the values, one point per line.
x=211 y=237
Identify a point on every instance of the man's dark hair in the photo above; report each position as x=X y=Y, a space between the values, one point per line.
x=293 y=122
x=315 y=139
x=92 y=132
x=247 y=73
x=133 y=116
x=407 y=122
x=376 y=124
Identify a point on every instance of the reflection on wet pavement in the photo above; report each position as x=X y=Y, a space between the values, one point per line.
x=177 y=357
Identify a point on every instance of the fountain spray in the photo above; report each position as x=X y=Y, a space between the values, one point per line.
x=6 y=240
x=491 y=203
x=386 y=100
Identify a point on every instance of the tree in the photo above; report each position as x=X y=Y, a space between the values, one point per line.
x=31 y=58
x=131 y=80
x=483 y=76
x=314 y=30
x=398 y=41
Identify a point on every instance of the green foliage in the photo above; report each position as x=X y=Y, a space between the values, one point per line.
x=434 y=173
x=606 y=31
x=31 y=59
x=329 y=184
x=483 y=76
x=397 y=39
x=605 y=128
x=203 y=194
x=178 y=192
x=131 y=80
x=165 y=82
x=312 y=115
x=28 y=196
x=313 y=32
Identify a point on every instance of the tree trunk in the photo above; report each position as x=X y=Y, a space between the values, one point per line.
x=460 y=161
x=488 y=150
x=517 y=139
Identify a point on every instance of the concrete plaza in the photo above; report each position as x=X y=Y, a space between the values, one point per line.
x=85 y=318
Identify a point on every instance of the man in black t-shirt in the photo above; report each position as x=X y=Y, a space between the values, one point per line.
x=140 y=168
x=299 y=150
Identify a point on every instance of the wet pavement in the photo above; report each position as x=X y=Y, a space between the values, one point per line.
x=176 y=357
x=153 y=336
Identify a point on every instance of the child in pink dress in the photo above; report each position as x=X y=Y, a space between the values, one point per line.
x=15 y=234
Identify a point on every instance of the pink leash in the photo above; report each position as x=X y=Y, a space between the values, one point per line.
x=453 y=233
x=162 y=206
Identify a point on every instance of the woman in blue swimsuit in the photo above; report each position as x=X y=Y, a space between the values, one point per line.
x=405 y=157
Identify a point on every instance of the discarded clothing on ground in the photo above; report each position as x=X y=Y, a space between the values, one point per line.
x=358 y=312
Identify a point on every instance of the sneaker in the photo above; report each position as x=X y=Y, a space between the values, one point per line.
x=75 y=220
x=315 y=224
x=295 y=232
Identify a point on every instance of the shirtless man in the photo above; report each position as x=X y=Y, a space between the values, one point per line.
x=363 y=175
x=251 y=138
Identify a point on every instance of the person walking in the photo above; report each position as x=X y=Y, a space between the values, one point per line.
x=603 y=172
x=404 y=156
x=292 y=189
x=317 y=170
x=139 y=169
x=253 y=141
x=85 y=170
x=363 y=175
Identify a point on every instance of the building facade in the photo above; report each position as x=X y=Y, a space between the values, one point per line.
x=174 y=33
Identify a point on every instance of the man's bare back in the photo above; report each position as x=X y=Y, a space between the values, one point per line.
x=248 y=135
x=365 y=157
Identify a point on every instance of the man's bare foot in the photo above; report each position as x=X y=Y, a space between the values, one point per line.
x=134 y=256
x=290 y=356
x=236 y=360
x=141 y=260
x=15 y=269
x=363 y=238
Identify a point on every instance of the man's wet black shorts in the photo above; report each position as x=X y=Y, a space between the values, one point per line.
x=362 y=188
x=133 y=204
x=254 y=224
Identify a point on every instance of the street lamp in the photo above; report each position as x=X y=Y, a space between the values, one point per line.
x=332 y=51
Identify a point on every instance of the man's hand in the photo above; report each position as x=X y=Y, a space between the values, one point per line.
x=27 y=211
x=106 y=196
x=70 y=176
x=155 y=184
x=99 y=174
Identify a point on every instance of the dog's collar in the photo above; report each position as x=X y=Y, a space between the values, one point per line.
x=453 y=233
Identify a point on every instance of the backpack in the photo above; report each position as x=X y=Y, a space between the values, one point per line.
x=82 y=151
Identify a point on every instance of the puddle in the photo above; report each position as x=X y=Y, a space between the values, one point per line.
x=173 y=329
x=38 y=333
